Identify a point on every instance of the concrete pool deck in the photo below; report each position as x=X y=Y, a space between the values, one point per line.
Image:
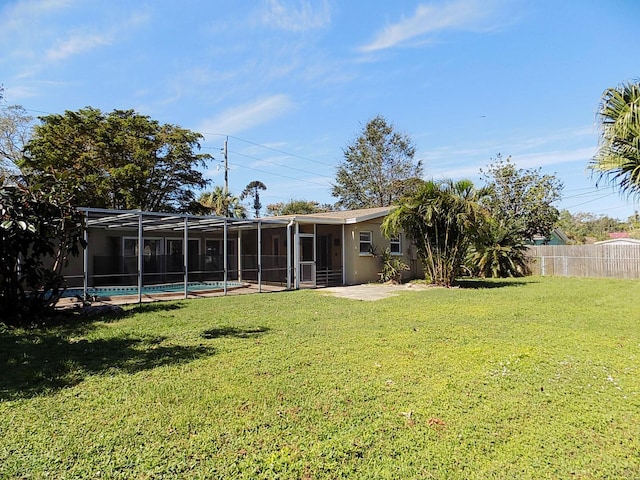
x=246 y=289
x=367 y=292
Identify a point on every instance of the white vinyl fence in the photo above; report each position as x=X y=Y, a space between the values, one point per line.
x=612 y=261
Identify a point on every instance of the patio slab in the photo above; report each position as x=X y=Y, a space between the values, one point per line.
x=373 y=291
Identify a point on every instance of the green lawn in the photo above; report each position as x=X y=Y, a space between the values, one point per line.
x=529 y=378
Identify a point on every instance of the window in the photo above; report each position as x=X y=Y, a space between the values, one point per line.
x=173 y=249
x=307 y=253
x=366 y=243
x=395 y=245
x=152 y=247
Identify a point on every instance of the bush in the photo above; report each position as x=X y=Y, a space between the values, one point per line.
x=392 y=267
x=499 y=253
x=38 y=232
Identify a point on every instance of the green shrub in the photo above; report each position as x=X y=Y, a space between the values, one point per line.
x=392 y=267
x=38 y=231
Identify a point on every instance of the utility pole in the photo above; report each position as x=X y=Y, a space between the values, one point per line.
x=226 y=167
x=226 y=176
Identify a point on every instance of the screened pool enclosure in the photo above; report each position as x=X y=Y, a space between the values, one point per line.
x=147 y=251
x=139 y=251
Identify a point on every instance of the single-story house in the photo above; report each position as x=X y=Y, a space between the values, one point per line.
x=296 y=251
x=557 y=237
x=619 y=241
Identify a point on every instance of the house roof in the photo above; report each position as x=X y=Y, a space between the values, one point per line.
x=619 y=241
x=619 y=235
x=131 y=219
x=339 y=217
x=556 y=232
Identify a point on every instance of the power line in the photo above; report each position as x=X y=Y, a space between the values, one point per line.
x=589 y=201
x=279 y=165
x=282 y=176
x=26 y=109
x=610 y=208
x=587 y=194
x=289 y=154
x=273 y=163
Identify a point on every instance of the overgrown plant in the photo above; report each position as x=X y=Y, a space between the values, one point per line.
x=522 y=199
x=39 y=229
x=442 y=219
x=392 y=267
x=498 y=252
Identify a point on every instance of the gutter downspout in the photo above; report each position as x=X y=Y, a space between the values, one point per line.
x=225 y=253
x=296 y=256
x=140 y=261
x=185 y=257
x=85 y=258
x=289 y=225
x=259 y=256
x=344 y=256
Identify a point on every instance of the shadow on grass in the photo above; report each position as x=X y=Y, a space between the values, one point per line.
x=234 y=332
x=83 y=320
x=154 y=307
x=40 y=362
x=485 y=284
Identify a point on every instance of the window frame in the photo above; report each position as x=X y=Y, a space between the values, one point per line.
x=361 y=242
x=397 y=241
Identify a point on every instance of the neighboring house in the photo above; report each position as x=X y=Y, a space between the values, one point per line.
x=616 y=235
x=296 y=251
x=557 y=237
x=619 y=241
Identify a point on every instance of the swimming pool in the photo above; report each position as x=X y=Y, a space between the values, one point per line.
x=150 y=289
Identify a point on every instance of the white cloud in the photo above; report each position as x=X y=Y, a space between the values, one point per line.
x=16 y=93
x=543 y=159
x=21 y=15
x=244 y=117
x=431 y=18
x=443 y=168
x=77 y=44
x=24 y=25
x=80 y=43
x=305 y=16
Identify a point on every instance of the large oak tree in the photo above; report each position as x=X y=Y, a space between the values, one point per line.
x=119 y=160
x=378 y=168
x=521 y=199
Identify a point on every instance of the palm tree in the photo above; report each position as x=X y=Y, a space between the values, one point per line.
x=442 y=219
x=499 y=251
x=221 y=202
x=618 y=155
x=253 y=190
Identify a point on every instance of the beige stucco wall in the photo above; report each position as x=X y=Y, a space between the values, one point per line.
x=365 y=268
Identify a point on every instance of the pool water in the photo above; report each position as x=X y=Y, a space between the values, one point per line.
x=149 y=289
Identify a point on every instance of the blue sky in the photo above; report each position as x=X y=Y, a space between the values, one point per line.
x=292 y=82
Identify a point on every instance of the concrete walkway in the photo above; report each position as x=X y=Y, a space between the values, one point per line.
x=373 y=291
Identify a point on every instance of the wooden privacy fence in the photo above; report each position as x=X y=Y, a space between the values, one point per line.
x=613 y=261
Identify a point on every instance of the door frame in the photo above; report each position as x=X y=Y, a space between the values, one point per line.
x=307 y=266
